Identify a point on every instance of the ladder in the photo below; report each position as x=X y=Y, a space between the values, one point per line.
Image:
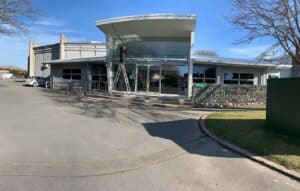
x=122 y=69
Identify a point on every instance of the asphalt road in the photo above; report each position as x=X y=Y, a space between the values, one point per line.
x=52 y=141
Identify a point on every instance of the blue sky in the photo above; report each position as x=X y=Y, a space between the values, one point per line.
x=77 y=19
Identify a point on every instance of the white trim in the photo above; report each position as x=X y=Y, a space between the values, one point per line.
x=146 y=17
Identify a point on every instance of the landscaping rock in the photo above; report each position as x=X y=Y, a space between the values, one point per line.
x=219 y=96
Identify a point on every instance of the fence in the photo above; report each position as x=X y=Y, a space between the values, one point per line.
x=80 y=86
x=283 y=106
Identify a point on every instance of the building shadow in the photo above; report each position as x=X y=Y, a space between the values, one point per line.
x=188 y=136
x=165 y=125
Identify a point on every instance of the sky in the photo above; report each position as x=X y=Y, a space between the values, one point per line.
x=77 y=20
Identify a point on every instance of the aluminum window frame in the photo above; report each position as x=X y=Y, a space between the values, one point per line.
x=239 y=80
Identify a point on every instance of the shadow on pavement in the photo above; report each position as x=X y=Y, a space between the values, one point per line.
x=106 y=108
x=188 y=136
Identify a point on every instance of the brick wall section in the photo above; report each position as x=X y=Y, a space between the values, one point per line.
x=220 y=96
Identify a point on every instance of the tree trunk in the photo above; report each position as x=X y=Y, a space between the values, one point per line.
x=295 y=71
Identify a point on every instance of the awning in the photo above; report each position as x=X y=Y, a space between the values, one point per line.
x=78 y=60
x=154 y=25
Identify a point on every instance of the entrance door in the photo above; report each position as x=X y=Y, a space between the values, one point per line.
x=142 y=78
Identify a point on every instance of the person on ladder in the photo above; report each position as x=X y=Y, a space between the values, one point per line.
x=122 y=69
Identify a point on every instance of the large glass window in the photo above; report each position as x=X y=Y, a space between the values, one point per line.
x=99 y=77
x=154 y=78
x=238 y=78
x=174 y=79
x=130 y=70
x=72 y=74
x=204 y=74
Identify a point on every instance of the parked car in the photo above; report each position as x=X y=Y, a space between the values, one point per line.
x=35 y=81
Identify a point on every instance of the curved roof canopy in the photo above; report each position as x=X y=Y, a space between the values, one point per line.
x=154 y=25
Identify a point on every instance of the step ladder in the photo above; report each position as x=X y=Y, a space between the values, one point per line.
x=122 y=69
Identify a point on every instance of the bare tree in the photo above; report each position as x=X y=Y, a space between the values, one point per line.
x=276 y=19
x=204 y=52
x=13 y=15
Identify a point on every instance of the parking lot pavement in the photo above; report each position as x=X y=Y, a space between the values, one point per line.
x=52 y=141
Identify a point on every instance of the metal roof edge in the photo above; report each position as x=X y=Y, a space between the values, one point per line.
x=147 y=17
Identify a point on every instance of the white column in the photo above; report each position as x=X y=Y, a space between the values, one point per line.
x=190 y=68
x=109 y=65
x=62 y=42
x=110 y=80
x=219 y=73
x=31 y=59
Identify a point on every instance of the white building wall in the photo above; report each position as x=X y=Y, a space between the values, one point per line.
x=83 y=50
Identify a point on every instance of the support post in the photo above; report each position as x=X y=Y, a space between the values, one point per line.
x=31 y=59
x=62 y=42
x=190 y=68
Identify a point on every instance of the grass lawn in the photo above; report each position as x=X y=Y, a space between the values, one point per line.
x=247 y=130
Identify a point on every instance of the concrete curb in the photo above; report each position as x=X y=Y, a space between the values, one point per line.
x=251 y=156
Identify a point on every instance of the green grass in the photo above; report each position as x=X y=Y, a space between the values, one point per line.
x=247 y=130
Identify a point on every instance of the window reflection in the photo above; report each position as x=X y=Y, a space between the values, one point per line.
x=239 y=78
x=174 y=79
x=204 y=74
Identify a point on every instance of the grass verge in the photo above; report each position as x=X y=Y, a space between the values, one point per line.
x=247 y=130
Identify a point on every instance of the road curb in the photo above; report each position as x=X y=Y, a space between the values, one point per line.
x=249 y=155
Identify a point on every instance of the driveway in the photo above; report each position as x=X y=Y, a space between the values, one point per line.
x=52 y=141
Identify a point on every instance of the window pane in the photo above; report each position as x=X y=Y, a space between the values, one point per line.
x=130 y=69
x=231 y=82
x=66 y=71
x=210 y=72
x=246 y=82
x=210 y=81
x=174 y=79
x=231 y=76
x=103 y=78
x=76 y=77
x=95 y=77
x=198 y=71
x=103 y=69
x=76 y=71
x=67 y=76
x=96 y=69
x=246 y=76
x=198 y=80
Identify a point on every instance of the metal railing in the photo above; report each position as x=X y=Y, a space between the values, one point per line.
x=80 y=86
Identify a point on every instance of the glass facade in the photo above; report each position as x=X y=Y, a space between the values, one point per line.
x=153 y=65
x=153 y=47
x=131 y=74
x=154 y=78
x=99 y=77
x=174 y=79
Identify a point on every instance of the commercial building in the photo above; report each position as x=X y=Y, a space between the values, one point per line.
x=5 y=74
x=159 y=59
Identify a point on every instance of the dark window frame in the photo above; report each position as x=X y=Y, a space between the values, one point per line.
x=72 y=73
x=238 y=80
x=203 y=76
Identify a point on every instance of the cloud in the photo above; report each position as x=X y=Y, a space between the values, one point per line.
x=247 y=52
x=49 y=22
